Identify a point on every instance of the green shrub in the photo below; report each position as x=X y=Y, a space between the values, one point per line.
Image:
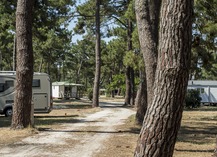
x=192 y=99
x=90 y=93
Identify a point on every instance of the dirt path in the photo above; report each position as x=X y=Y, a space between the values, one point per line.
x=81 y=139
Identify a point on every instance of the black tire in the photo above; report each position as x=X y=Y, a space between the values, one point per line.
x=8 y=112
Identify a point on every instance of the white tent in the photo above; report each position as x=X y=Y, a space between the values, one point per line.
x=65 y=90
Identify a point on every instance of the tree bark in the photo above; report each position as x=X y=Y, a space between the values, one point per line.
x=162 y=120
x=141 y=98
x=147 y=15
x=132 y=84
x=129 y=98
x=24 y=72
x=98 y=58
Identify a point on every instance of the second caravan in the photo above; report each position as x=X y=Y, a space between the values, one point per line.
x=207 y=89
x=41 y=92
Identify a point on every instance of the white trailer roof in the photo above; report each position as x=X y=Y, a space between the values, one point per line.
x=14 y=73
x=65 y=84
x=202 y=83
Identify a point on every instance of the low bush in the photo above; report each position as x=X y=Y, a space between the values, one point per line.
x=192 y=99
x=90 y=93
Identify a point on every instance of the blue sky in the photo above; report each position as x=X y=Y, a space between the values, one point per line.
x=73 y=23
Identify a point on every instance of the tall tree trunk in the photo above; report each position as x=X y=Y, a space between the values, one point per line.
x=24 y=72
x=48 y=63
x=40 y=66
x=128 y=74
x=147 y=14
x=141 y=98
x=98 y=57
x=132 y=84
x=78 y=73
x=162 y=120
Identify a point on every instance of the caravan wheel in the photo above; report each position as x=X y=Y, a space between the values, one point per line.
x=8 y=112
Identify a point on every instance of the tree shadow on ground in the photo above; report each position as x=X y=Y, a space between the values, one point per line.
x=89 y=105
x=45 y=120
x=202 y=108
x=49 y=120
x=72 y=106
x=59 y=120
x=71 y=100
x=114 y=105
x=197 y=135
x=194 y=151
x=131 y=131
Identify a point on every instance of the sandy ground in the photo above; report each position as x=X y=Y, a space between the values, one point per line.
x=81 y=139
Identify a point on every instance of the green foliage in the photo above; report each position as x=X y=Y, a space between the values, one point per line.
x=204 y=40
x=132 y=59
x=7 y=27
x=118 y=82
x=193 y=98
x=114 y=23
x=80 y=61
x=51 y=38
x=211 y=73
x=112 y=60
x=90 y=93
x=130 y=13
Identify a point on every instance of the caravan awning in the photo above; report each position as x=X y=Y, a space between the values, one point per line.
x=65 y=83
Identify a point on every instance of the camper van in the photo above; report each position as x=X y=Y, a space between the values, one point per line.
x=207 y=89
x=41 y=92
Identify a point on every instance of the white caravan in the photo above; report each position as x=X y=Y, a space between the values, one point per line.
x=41 y=92
x=66 y=90
x=208 y=90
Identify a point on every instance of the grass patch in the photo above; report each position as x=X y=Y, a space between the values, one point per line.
x=5 y=122
x=9 y=136
x=196 y=137
x=198 y=132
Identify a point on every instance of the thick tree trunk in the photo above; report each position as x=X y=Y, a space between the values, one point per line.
x=141 y=99
x=147 y=21
x=147 y=15
x=98 y=57
x=162 y=120
x=24 y=72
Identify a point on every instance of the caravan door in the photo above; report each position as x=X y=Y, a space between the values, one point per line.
x=40 y=101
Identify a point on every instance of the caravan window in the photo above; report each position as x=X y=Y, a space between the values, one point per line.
x=36 y=83
x=2 y=87
x=6 y=85
x=9 y=83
